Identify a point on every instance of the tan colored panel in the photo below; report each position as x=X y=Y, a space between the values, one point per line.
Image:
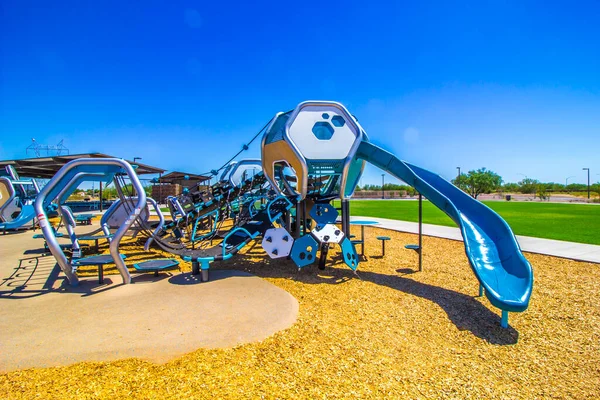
x=281 y=151
x=6 y=191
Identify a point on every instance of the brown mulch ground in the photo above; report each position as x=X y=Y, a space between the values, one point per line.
x=387 y=332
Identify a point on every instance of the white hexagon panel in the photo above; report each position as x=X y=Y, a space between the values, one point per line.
x=328 y=233
x=277 y=242
x=323 y=130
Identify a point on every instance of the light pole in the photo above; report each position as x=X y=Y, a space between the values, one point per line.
x=458 y=176
x=382 y=186
x=588 y=170
x=567 y=181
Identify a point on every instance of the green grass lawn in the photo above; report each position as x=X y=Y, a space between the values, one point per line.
x=570 y=222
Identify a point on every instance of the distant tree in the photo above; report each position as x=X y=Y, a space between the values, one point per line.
x=510 y=187
x=555 y=187
x=595 y=187
x=479 y=181
x=541 y=192
x=576 y=187
x=528 y=186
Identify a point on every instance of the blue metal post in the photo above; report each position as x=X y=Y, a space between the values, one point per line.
x=480 y=290
x=205 y=265
x=420 y=232
x=504 y=322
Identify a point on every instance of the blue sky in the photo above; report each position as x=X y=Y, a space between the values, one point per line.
x=511 y=86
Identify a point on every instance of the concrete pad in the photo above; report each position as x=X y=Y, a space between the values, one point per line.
x=45 y=322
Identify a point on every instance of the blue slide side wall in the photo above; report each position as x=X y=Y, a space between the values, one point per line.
x=490 y=244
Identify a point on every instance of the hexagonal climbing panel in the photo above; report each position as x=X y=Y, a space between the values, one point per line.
x=304 y=251
x=277 y=242
x=349 y=253
x=324 y=214
x=328 y=233
x=323 y=130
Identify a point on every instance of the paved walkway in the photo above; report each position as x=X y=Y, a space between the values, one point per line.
x=45 y=322
x=556 y=248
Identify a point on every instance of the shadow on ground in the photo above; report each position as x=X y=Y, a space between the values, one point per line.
x=464 y=311
x=39 y=275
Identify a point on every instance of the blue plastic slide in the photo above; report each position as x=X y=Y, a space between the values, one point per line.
x=25 y=216
x=491 y=246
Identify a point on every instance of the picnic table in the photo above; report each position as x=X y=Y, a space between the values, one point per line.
x=362 y=224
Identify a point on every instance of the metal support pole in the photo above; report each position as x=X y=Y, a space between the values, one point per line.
x=504 y=322
x=346 y=217
x=362 y=237
x=420 y=232
x=160 y=199
x=298 y=219
x=480 y=290
x=588 y=182
x=304 y=219
x=101 y=196
x=288 y=220
x=323 y=258
x=204 y=270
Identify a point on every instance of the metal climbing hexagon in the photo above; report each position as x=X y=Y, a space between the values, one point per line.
x=324 y=214
x=304 y=251
x=277 y=242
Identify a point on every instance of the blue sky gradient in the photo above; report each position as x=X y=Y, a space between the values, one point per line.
x=513 y=86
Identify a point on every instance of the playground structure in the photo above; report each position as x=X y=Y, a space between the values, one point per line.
x=16 y=199
x=309 y=156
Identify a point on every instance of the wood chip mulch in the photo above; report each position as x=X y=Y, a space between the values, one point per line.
x=386 y=332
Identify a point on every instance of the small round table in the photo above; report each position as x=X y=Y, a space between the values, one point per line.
x=362 y=224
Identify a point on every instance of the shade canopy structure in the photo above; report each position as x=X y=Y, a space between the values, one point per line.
x=47 y=167
x=183 y=178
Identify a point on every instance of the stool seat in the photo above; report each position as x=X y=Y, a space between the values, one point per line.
x=101 y=259
x=412 y=247
x=95 y=237
x=98 y=261
x=383 y=240
x=85 y=218
x=156 y=265
x=41 y=235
